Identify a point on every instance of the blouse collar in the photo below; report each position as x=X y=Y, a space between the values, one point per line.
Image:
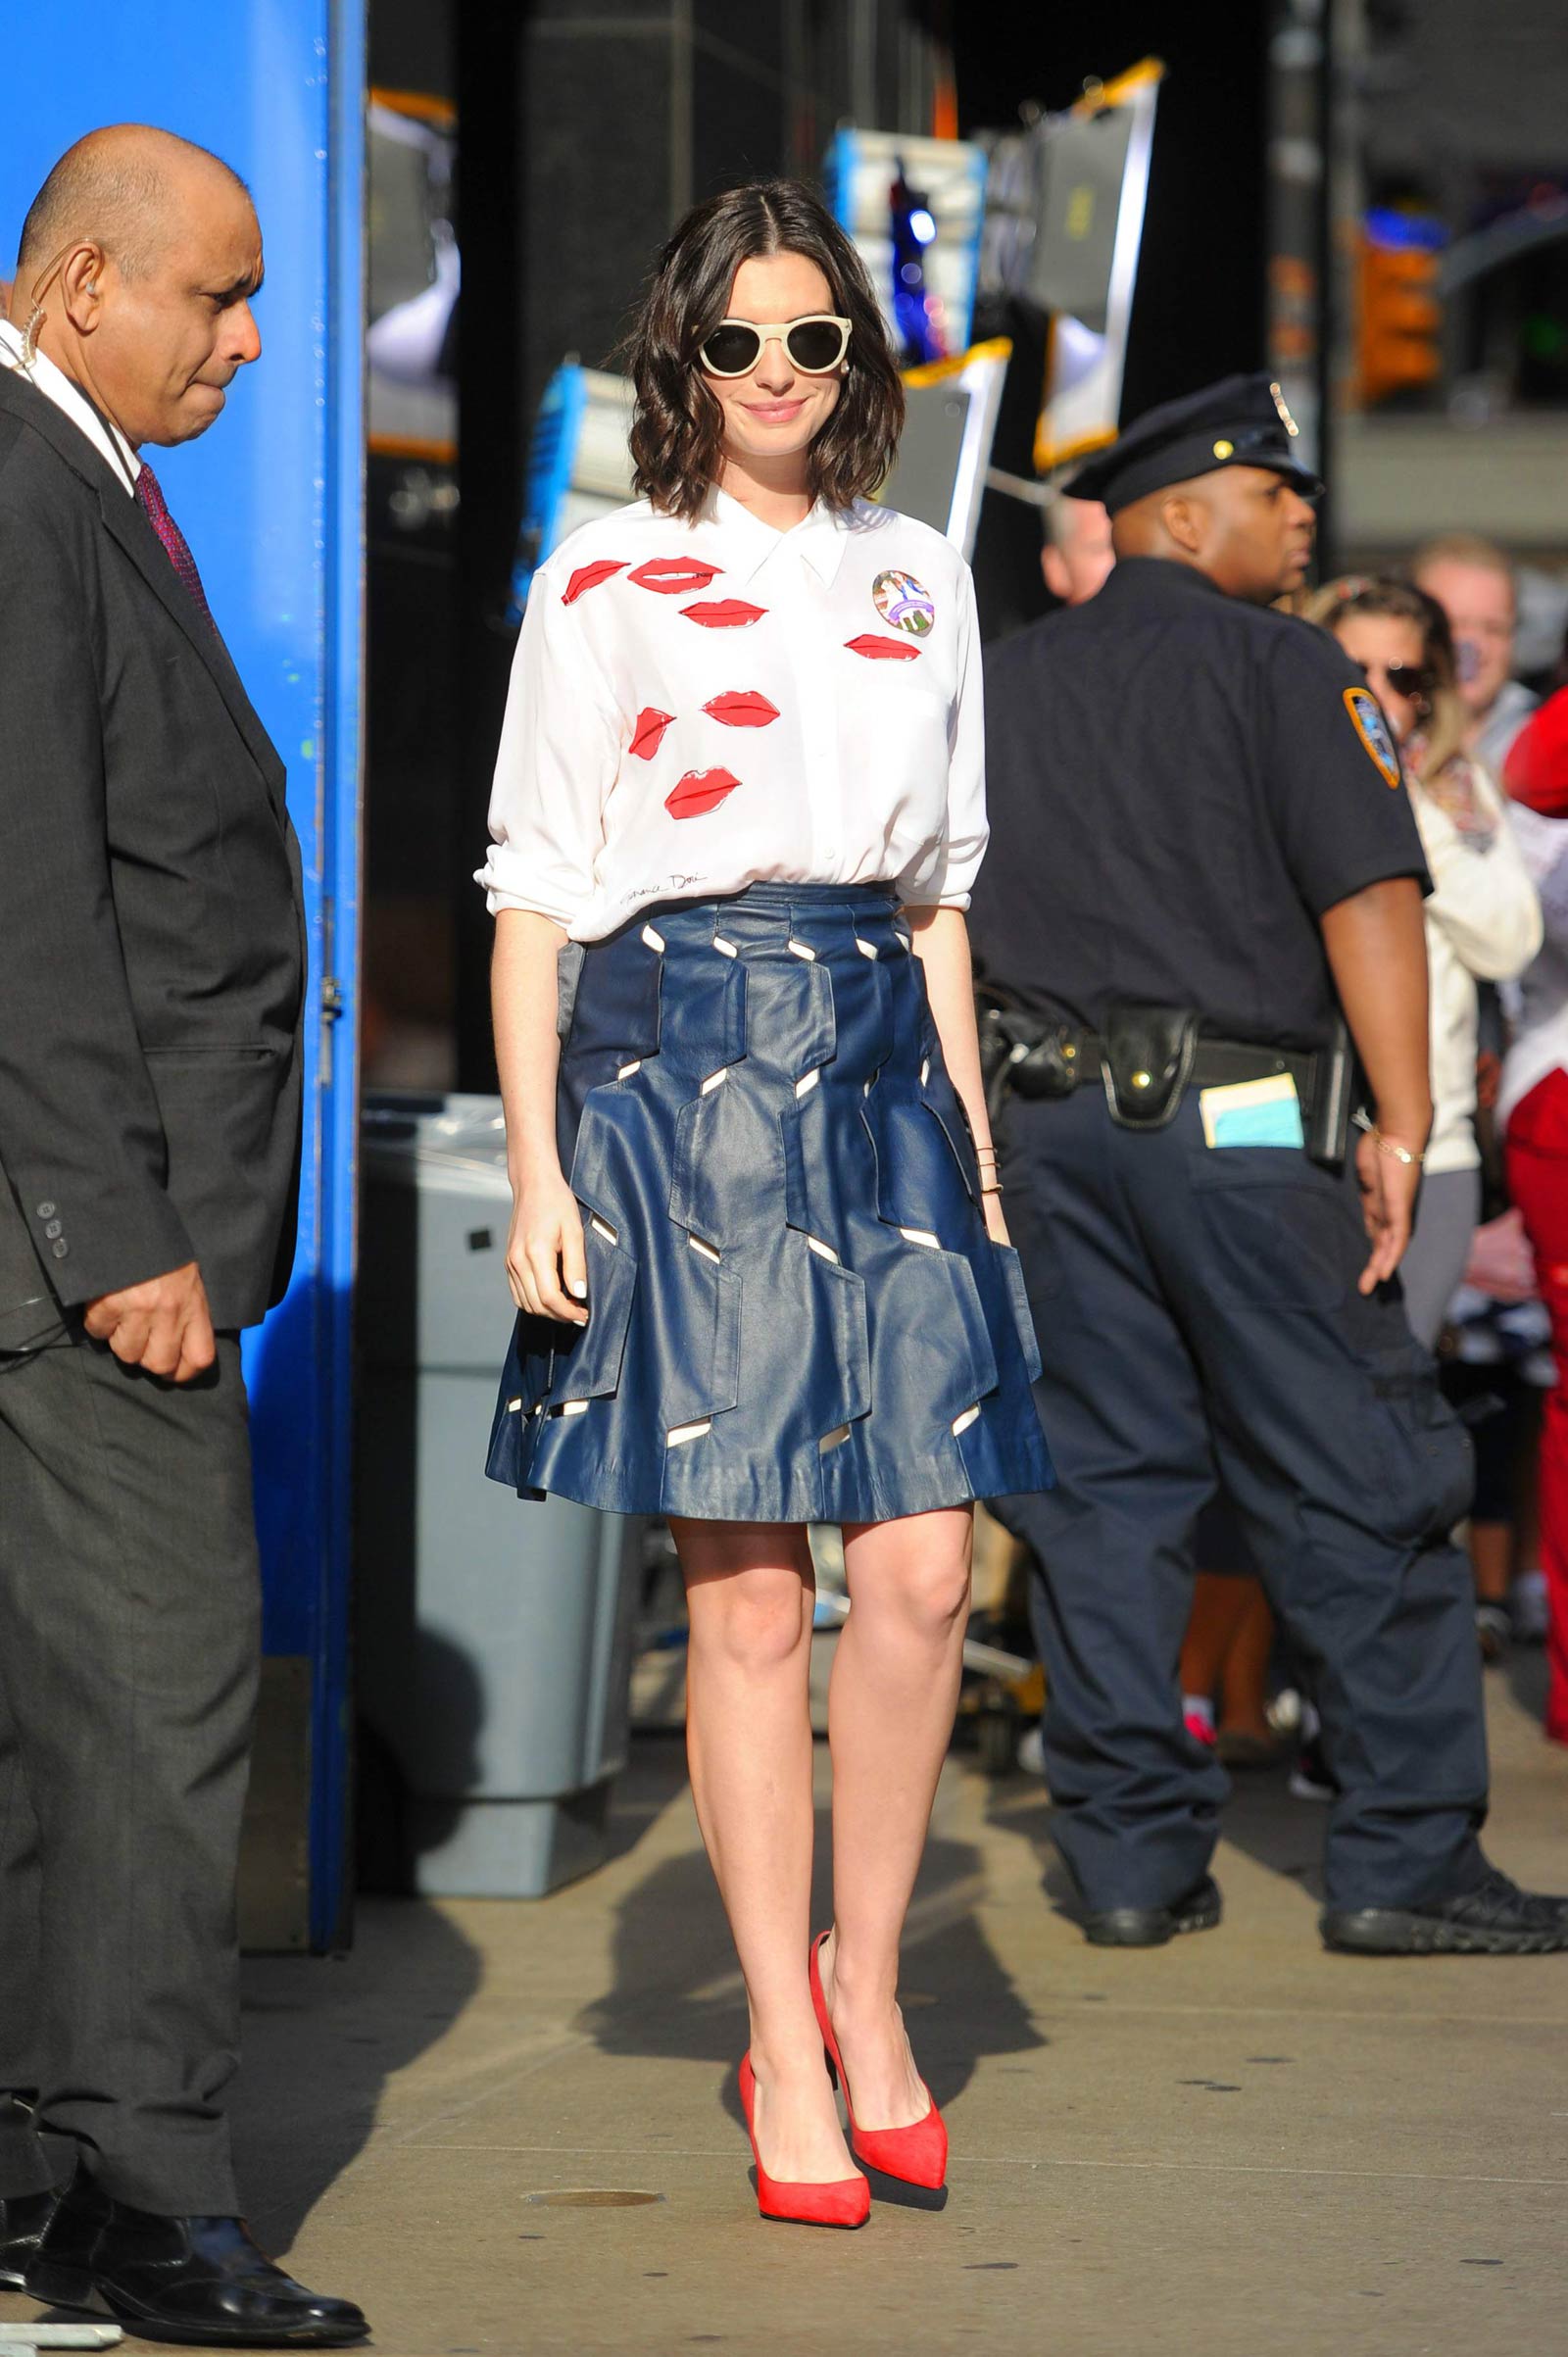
x=819 y=538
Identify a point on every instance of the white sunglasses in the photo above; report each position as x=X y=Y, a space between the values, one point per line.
x=814 y=344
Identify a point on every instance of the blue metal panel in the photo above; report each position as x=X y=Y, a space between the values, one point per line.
x=270 y=500
x=551 y=457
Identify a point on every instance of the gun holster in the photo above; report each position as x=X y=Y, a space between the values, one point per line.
x=1147 y=1058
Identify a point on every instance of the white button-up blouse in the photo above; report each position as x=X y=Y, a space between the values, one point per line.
x=694 y=707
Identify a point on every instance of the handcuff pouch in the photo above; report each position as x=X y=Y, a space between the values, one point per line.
x=1147 y=1055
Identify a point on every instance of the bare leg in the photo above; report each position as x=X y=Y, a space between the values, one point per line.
x=1492 y=1553
x=1217 y=1606
x=1243 y=1679
x=750 y=1591
x=890 y=1717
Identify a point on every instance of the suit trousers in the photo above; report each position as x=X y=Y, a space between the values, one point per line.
x=1198 y=1317
x=129 y=1650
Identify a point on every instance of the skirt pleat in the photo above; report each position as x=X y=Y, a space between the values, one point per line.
x=796 y=1314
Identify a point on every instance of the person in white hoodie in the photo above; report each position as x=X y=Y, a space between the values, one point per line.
x=1483 y=917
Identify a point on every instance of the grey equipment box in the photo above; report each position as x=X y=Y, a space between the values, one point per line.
x=494 y=1633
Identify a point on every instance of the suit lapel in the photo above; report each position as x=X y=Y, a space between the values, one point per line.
x=126 y=524
x=130 y=528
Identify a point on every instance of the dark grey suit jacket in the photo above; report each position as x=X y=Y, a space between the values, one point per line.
x=152 y=936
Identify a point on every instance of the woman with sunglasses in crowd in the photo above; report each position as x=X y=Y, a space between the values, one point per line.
x=758 y=1248
x=1483 y=916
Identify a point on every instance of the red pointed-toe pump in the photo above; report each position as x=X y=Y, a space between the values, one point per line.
x=916 y=2154
x=844 y=2201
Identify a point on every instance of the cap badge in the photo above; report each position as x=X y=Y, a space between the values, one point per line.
x=1286 y=420
x=904 y=603
x=1367 y=717
x=1224 y=449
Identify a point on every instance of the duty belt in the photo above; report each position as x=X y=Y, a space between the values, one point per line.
x=1215 y=1063
x=1147 y=1059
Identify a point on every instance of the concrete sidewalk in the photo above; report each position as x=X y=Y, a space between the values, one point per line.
x=513 y=2128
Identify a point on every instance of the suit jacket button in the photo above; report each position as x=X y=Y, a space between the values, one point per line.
x=46 y=1211
x=60 y=1250
x=54 y=1228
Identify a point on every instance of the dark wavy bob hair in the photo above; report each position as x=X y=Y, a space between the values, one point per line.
x=677 y=425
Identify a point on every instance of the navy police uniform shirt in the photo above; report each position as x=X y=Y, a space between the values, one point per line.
x=1180 y=784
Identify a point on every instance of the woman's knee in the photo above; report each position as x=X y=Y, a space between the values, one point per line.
x=756 y=1620
x=928 y=1595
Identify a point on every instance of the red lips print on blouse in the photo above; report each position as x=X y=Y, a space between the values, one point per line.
x=674 y=577
x=882 y=650
x=649 y=733
x=742 y=707
x=589 y=577
x=725 y=614
x=700 y=791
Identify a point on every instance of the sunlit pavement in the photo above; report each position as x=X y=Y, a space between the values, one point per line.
x=511 y=2127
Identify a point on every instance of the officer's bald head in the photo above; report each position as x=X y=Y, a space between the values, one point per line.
x=1247 y=527
x=140 y=261
x=125 y=188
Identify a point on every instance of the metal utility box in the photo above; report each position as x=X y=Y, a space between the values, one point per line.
x=494 y=1635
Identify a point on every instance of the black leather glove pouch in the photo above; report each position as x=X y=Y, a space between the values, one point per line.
x=1148 y=1055
x=1024 y=1052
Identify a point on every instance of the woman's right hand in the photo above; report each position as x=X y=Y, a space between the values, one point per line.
x=546 y=1266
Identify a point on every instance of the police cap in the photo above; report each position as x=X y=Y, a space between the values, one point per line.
x=1240 y=422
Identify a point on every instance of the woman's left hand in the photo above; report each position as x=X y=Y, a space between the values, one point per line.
x=995 y=1225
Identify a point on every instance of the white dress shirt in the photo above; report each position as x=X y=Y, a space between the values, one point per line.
x=1483 y=922
x=698 y=707
x=56 y=386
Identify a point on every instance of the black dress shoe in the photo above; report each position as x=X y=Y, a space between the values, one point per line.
x=23 y=2219
x=1152 y=1927
x=196 y=2280
x=1493 y=1919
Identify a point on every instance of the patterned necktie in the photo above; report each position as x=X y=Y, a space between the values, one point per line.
x=153 y=505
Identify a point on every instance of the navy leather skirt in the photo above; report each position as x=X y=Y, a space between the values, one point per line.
x=796 y=1314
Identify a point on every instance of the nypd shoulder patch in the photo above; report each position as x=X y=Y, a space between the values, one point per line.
x=1367 y=717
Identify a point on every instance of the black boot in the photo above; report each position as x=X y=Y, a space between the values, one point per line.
x=23 y=2219
x=198 y=2279
x=1495 y=1918
x=1199 y=1910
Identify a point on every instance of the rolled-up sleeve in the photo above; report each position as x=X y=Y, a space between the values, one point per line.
x=561 y=743
x=948 y=880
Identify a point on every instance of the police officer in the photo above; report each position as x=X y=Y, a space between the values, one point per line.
x=1201 y=851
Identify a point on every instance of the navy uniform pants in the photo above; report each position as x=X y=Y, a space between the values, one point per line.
x=1197 y=1316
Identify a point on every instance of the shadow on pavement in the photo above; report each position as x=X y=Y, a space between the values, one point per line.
x=1528 y=1677
x=323 y=2037
x=677 y=1991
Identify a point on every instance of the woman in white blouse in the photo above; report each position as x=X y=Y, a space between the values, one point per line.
x=1483 y=917
x=757 y=1246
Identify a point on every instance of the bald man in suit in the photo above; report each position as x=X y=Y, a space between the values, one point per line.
x=150 y=1107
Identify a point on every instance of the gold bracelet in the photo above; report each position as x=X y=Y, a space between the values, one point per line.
x=996 y=1188
x=1396 y=1154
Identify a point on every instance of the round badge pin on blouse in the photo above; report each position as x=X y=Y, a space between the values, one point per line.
x=904 y=602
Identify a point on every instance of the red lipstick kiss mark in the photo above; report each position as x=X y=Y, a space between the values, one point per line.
x=742 y=707
x=882 y=650
x=724 y=613
x=649 y=733
x=700 y=791
x=589 y=577
x=674 y=577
